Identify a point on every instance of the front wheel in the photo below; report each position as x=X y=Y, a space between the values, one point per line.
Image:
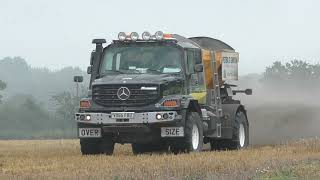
x=193 y=131
x=90 y=146
x=158 y=147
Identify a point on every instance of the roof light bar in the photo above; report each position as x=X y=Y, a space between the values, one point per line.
x=134 y=36
x=146 y=35
x=122 y=36
x=159 y=35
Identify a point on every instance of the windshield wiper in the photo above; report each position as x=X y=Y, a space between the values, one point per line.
x=117 y=71
x=154 y=70
x=104 y=74
x=134 y=70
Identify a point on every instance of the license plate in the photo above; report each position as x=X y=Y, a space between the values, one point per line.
x=89 y=132
x=122 y=115
x=172 y=132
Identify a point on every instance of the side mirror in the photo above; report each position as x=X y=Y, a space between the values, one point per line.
x=198 y=68
x=248 y=91
x=89 y=70
x=78 y=79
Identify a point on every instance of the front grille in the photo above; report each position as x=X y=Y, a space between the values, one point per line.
x=106 y=95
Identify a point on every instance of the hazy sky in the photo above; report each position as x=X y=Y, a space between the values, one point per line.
x=57 y=33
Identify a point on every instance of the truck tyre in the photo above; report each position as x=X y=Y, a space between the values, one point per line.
x=140 y=148
x=107 y=146
x=90 y=146
x=148 y=148
x=240 y=137
x=97 y=146
x=219 y=144
x=193 y=132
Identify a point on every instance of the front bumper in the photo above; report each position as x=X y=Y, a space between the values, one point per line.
x=138 y=118
x=142 y=128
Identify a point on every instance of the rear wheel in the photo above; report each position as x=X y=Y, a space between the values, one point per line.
x=149 y=148
x=193 y=140
x=240 y=137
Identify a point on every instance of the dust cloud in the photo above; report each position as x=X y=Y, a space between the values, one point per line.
x=279 y=115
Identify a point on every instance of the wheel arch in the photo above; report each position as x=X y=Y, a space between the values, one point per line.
x=242 y=108
x=229 y=118
x=193 y=106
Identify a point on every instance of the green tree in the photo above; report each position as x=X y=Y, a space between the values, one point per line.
x=22 y=116
x=276 y=72
x=3 y=85
x=38 y=82
x=293 y=70
x=66 y=106
x=315 y=71
x=299 y=70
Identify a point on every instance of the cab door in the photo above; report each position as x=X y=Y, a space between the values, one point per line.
x=197 y=87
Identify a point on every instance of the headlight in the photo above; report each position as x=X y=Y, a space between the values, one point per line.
x=159 y=35
x=146 y=36
x=88 y=117
x=134 y=36
x=158 y=116
x=165 y=116
x=122 y=36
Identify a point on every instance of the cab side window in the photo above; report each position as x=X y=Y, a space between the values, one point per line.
x=190 y=61
x=197 y=78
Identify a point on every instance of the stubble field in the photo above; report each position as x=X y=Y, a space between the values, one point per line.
x=273 y=120
x=61 y=159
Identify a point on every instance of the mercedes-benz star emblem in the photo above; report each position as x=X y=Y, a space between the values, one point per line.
x=123 y=93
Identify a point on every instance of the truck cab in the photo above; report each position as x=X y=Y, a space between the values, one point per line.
x=162 y=92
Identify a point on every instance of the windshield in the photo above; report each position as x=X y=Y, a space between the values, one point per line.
x=137 y=59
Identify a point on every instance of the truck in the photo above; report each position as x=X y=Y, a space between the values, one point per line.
x=162 y=93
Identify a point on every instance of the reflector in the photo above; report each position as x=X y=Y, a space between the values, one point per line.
x=167 y=36
x=85 y=104
x=170 y=103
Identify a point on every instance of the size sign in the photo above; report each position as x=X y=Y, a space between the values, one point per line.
x=172 y=132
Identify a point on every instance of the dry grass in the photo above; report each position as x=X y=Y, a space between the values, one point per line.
x=304 y=170
x=61 y=159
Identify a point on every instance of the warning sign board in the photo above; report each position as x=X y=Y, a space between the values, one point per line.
x=229 y=65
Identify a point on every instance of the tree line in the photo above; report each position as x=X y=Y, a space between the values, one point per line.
x=293 y=74
x=40 y=103
x=3 y=85
x=37 y=102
